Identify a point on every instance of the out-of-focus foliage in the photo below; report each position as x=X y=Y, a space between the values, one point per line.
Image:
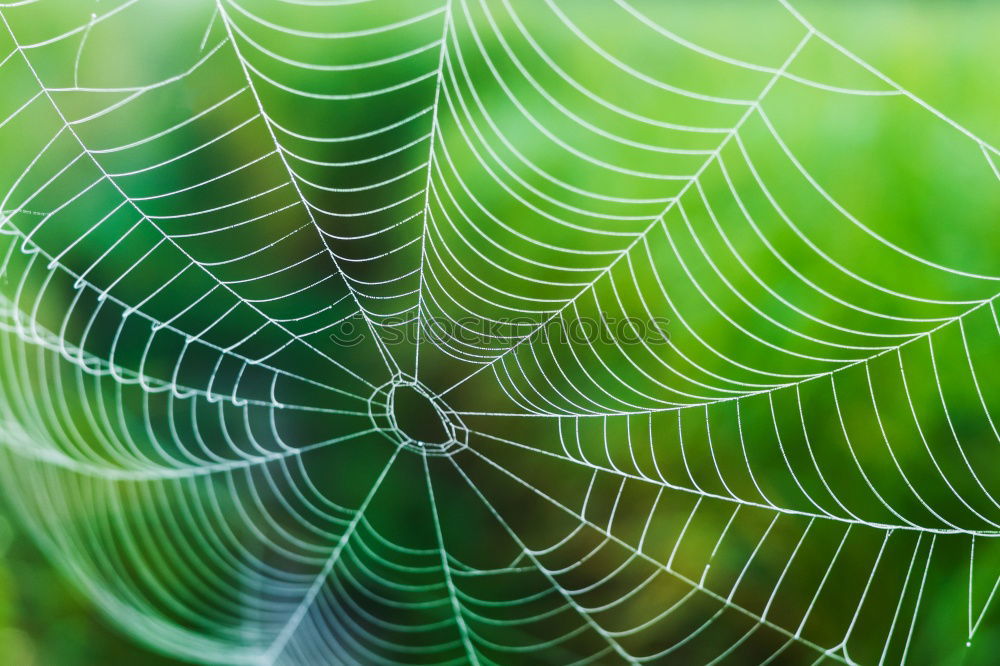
x=945 y=53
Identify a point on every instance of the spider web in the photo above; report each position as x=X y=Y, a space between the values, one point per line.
x=203 y=202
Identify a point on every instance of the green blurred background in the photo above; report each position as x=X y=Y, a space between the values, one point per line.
x=947 y=52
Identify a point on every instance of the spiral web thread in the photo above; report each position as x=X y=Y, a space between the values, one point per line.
x=187 y=439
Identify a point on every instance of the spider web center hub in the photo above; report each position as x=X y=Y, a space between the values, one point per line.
x=409 y=414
